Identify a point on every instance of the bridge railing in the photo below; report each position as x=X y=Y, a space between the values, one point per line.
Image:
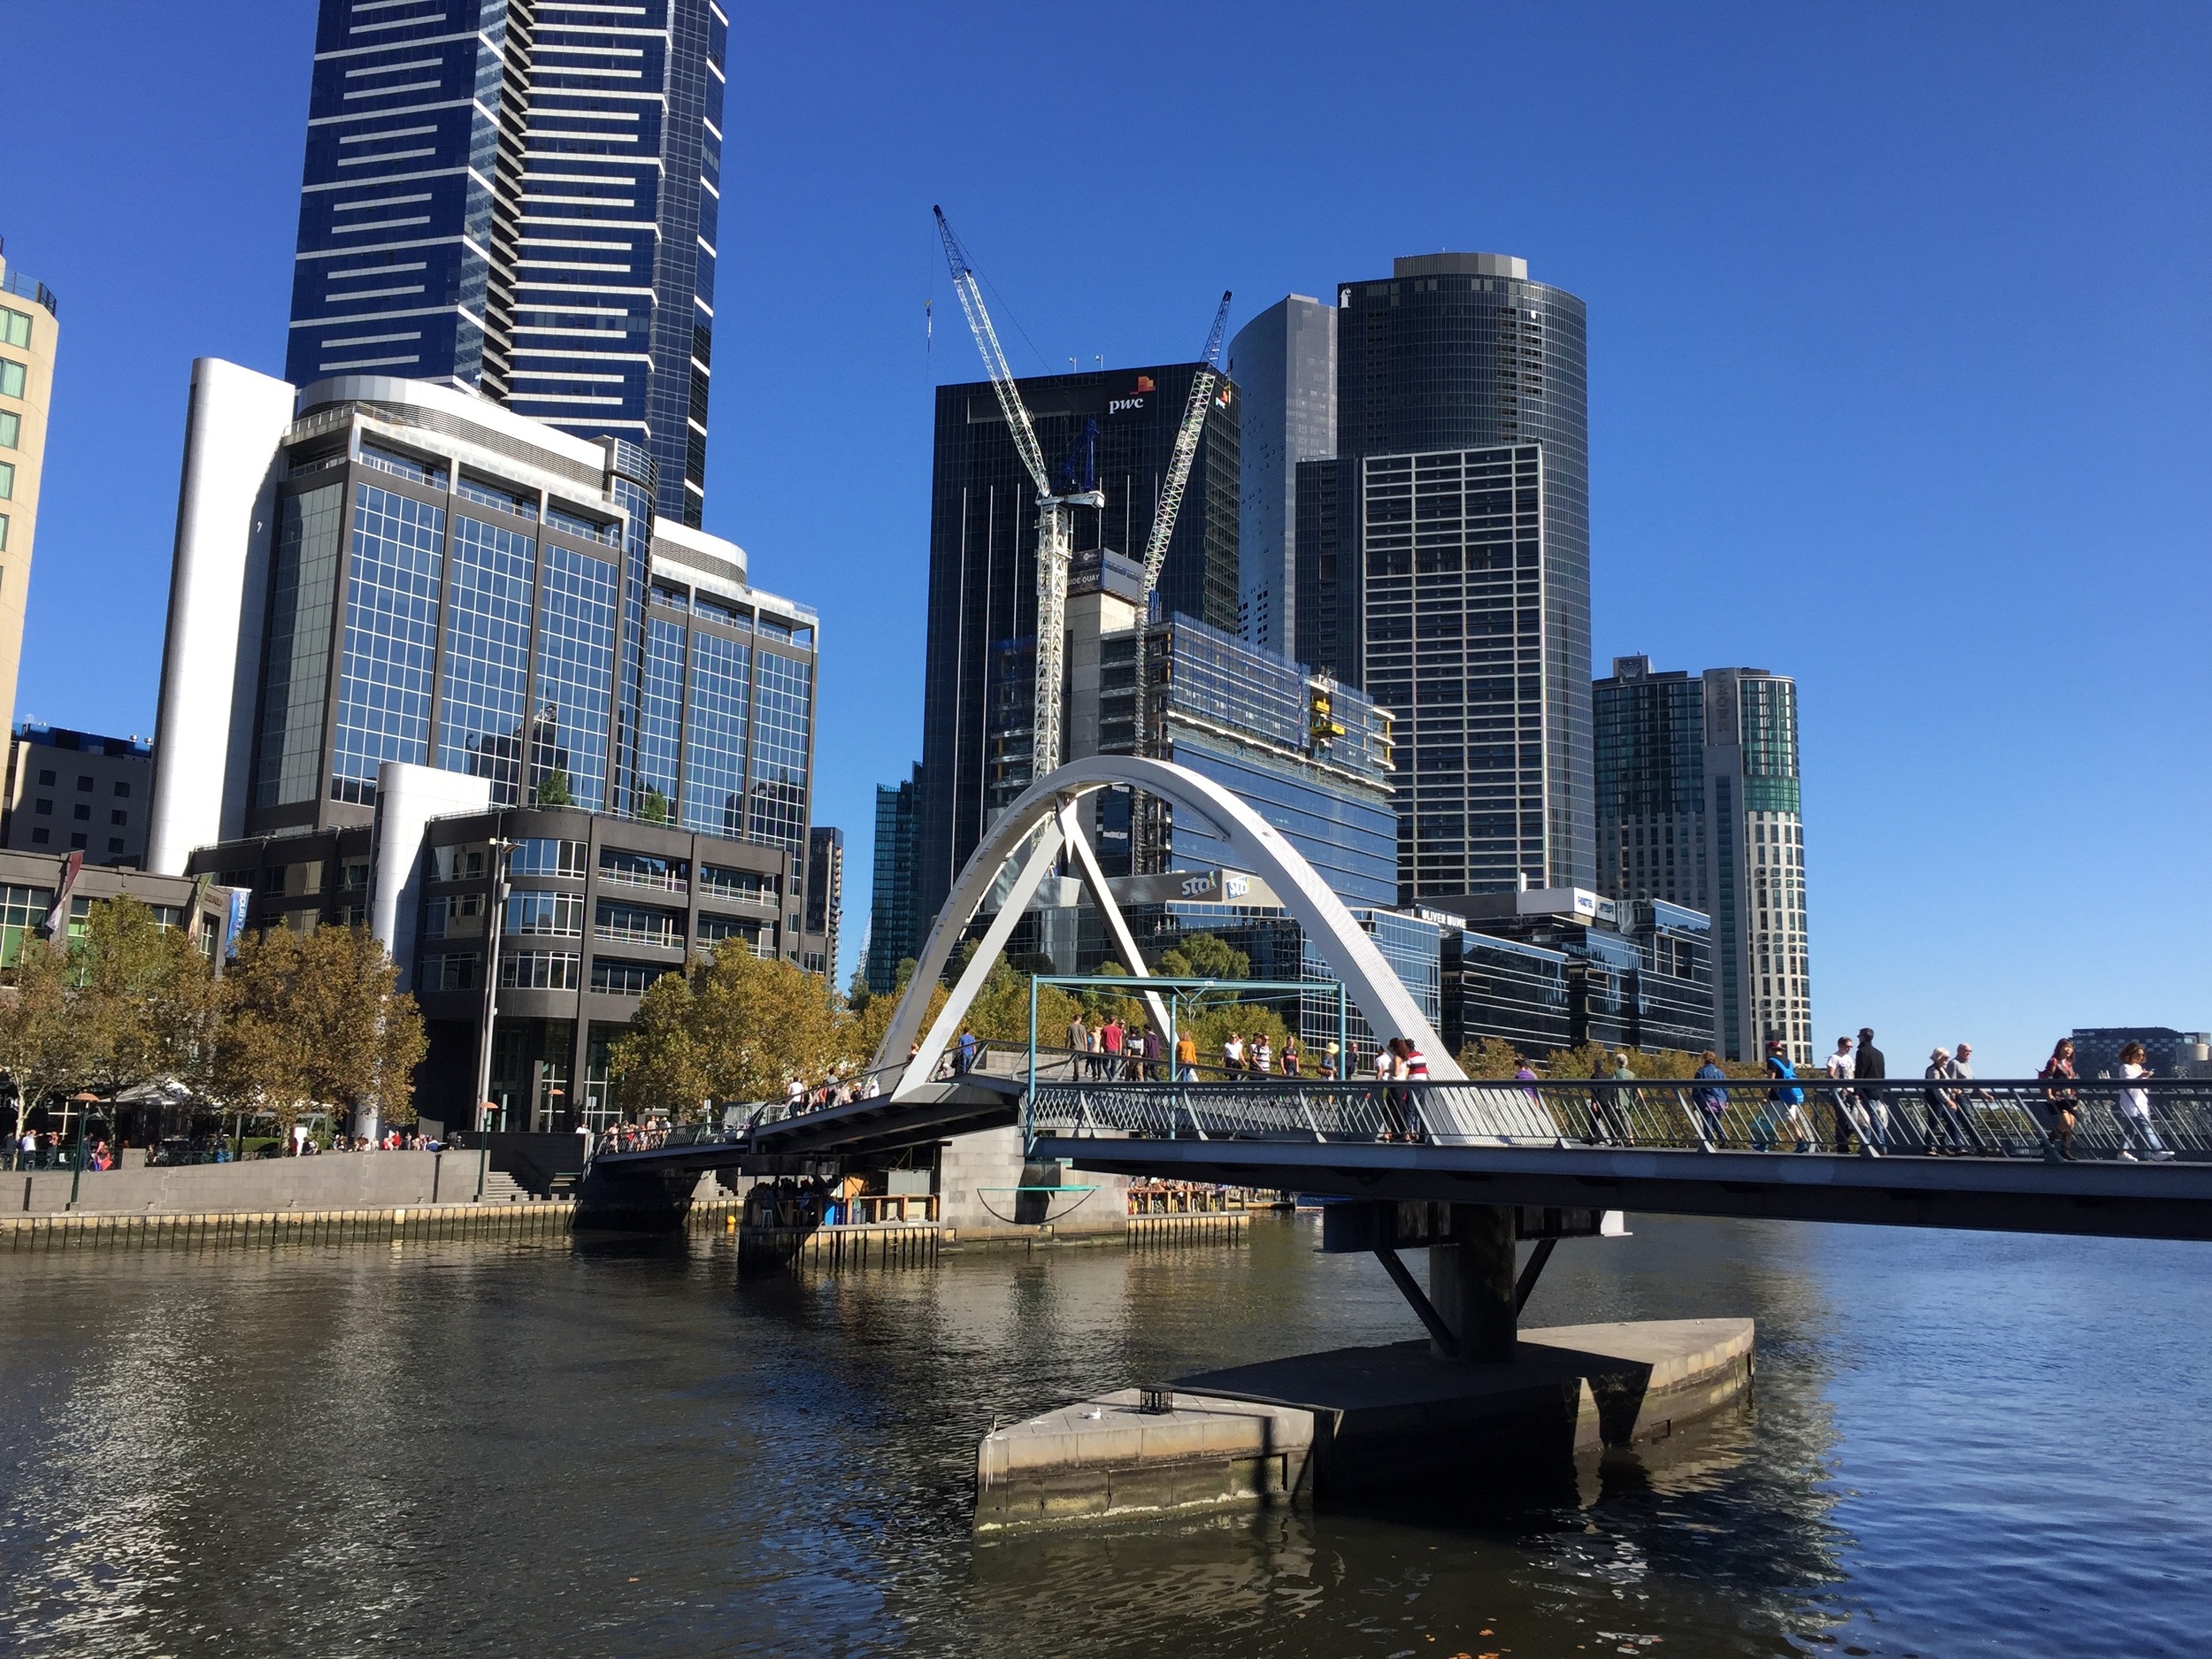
x=2154 y=1119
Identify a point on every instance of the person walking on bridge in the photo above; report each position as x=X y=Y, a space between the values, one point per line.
x=2062 y=1099
x=1712 y=1103
x=1868 y=1067
x=1109 y=1046
x=1840 y=1072
x=2133 y=1109
x=1944 y=1133
x=1962 y=1071
x=1078 y=1045
x=1186 y=1057
x=1788 y=1097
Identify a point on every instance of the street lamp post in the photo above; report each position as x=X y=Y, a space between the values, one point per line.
x=500 y=848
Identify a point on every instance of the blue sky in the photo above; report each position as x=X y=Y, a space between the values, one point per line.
x=1899 y=330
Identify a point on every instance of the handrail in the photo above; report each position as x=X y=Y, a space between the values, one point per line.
x=1901 y=1116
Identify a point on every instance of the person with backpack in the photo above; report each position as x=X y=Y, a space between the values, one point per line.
x=1788 y=1097
x=2061 y=1100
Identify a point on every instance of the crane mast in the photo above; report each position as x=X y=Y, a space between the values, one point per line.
x=1054 y=513
x=1186 y=451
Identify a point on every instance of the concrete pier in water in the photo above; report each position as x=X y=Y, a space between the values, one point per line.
x=1360 y=1424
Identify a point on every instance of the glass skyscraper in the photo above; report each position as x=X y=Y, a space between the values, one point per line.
x=1699 y=804
x=894 y=930
x=1284 y=362
x=1459 y=545
x=520 y=197
x=979 y=670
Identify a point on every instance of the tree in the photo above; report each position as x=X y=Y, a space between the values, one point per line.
x=1205 y=956
x=38 y=1044
x=314 y=1020
x=144 y=1002
x=656 y=1062
x=552 y=789
x=750 y=1025
x=861 y=1031
x=1490 y=1057
x=653 y=809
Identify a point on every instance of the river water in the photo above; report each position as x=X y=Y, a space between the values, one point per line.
x=1959 y=1445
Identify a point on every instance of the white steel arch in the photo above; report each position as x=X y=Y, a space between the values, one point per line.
x=1043 y=821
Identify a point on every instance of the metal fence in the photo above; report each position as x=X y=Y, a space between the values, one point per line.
x=2147 y=1120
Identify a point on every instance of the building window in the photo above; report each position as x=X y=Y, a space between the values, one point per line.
x=40 y=836
x=11 y=426
x=568 y=725
x=640 y=924
x=45 y=808
x=487 y=656
x=122 y=792
x=447 y=973
x=539 y=970
x=118 y=817
x=391 y=602
x=542 y=856
x=115 y=843
x=714 y=747
x=77 y=842
x=556 y=915
x=15 y=328
x=7 y=480
x=47 y=777
x=84 y=783
x=12 y=375
x=82 y=813
x=612 y=978
x=21 y=910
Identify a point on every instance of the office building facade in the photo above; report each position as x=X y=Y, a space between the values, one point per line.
x=30 y=331
x=895 y=928
x=520 y=198
x=76 y=792
x=2167 y=1052
x=1284 y=365
x=1548 y=970
x=1460 y=544
x=401 y=573
x=824 y=913
x=1699 y=803
x=1118 y=427
x=597 y=908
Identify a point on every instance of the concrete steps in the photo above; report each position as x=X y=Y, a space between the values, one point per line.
x=501 y=1188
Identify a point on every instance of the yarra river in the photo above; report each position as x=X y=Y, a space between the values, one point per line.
x=1960 y=1445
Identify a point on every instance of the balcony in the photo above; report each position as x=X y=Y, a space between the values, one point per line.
x=660 y=938
x=655 y=880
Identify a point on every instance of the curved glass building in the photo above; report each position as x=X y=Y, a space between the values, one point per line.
x=1460 y=584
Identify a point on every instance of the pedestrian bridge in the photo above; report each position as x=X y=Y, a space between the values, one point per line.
x=1957 y=1155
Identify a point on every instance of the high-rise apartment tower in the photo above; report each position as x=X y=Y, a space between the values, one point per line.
x=1699 y=804
x=1462 y=541
x=29 y=330
x=520 y=197
x=1283 y=362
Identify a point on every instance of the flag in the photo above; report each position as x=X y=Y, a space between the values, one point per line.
x=51 y=926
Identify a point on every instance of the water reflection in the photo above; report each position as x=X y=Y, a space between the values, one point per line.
x=1953 y=1445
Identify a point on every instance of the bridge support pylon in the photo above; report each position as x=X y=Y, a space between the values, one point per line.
x=1471 y=1281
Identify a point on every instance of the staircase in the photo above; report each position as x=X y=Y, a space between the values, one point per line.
x=501 y=1188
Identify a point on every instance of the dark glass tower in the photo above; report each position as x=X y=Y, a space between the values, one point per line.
x=977 y=685
x=1462 y=547
x=519 y=197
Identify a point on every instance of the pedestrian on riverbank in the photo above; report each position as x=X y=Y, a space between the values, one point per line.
x=1869 y=1067
x=2061 y=1099
x=2133 y=1109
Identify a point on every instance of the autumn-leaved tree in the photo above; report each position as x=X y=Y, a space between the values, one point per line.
x=739 y=1029
x=38 y=1044
x=1490 y=1057
x=143 y=1002
x=313 y=1020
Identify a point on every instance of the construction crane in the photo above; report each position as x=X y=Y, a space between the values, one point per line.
x=1055 y=512
x=1202 y=394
